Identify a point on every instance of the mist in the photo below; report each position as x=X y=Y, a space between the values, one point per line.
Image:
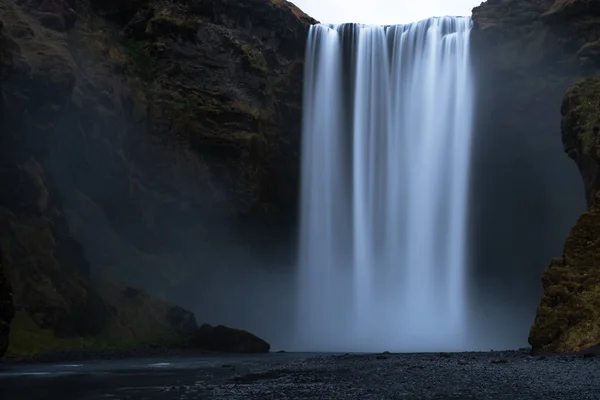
x=243 y=272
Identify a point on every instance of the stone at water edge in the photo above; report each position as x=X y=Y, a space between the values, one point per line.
x=227 y=340
x=6 y=309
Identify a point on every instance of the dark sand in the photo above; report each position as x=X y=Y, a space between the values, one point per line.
x=494 y=375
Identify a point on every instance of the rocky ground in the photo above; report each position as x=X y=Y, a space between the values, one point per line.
x=494 y=375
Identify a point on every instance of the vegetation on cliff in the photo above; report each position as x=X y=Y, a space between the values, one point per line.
x=134 y=138
x=568 y=317
x=527 y=194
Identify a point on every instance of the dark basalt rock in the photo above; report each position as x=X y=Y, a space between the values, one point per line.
x=227 y=340
x=182 y=321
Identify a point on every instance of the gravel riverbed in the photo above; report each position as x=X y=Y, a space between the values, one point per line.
x=511 y=375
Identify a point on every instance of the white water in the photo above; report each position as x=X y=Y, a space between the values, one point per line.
x=385 y=174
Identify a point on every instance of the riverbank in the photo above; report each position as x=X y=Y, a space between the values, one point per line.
x=510 y=375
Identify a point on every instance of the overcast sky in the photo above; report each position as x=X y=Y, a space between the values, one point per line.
x=383 y=12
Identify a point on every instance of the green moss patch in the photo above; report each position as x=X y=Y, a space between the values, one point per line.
x=581 y=113
x=568 y=318
x=27 y=339
x=139 y=59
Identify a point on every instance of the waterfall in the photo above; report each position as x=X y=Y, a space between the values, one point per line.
x=385 y=174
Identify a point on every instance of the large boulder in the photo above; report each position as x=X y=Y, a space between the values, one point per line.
x=227 y=340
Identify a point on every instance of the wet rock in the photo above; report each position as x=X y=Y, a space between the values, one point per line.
x=227 y=340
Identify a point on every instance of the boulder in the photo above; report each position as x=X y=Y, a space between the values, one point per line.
x=227 y=340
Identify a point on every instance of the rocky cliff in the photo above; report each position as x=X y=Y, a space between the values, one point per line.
x=140 y=142
x=526 y=194
x=528 y=54
x=6 y=309
x=568 y=317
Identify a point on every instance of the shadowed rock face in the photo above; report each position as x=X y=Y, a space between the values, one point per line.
x=526 y=194
x=227 y=340
x=142 y=141
x=6 y=309
x=528 y=54
x=568 y=317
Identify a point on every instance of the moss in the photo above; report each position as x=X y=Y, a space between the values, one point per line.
x=259 y=114
x=142 y=64
x=581 y=113
x=254 y=142
x=568 y=318
x=253 y=57
x=168 y=25
x=27 y=339
x=137 y=320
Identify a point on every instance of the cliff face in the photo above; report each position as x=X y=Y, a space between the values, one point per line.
x=138 y=141
x=528 y=54
x=568 y=317
x=6 y=309
x=526 y=194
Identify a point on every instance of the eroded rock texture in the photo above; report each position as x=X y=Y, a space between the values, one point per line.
x=141 y=141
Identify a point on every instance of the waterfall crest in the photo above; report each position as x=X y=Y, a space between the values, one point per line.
x=385 y=171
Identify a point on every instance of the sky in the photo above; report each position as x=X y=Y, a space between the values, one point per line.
x=383 y=12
